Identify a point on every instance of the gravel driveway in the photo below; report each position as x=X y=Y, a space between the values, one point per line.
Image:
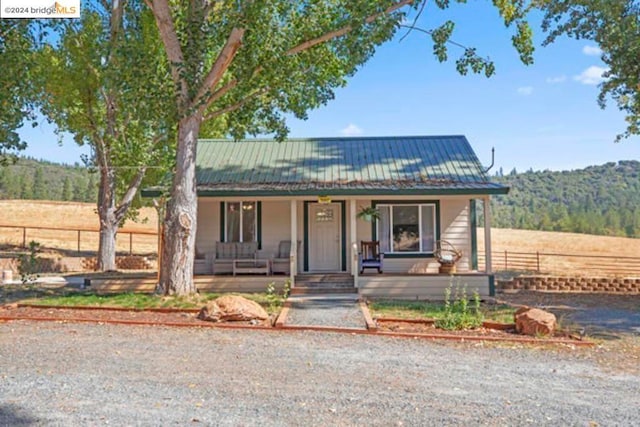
x=335 y=310
x=84 y=374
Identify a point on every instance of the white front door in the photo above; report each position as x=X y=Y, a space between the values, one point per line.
x=324 y=237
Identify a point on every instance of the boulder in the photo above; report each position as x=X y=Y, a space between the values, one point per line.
x=232 y=308
x=533 y=321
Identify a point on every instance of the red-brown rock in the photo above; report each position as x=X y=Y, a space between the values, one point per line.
x=533 y=321
x=232 y=308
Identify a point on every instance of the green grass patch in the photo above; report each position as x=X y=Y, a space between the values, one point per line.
x=143 y=301
x=434 y=310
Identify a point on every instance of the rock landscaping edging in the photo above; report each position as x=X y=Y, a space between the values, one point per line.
x=279 y=325
x=572 y=284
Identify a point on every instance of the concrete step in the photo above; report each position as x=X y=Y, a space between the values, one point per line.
x=304 y=290
x=324 y=284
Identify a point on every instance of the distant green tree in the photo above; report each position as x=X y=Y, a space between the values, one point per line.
x=79 y=190
x=596 y=200
x=26 y=189
x=67 y=189
x=91 y=189
x=39 y=186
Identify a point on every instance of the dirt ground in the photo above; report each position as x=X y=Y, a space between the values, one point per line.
x=599 y=314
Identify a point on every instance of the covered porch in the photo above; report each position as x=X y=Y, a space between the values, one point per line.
x=324 y=235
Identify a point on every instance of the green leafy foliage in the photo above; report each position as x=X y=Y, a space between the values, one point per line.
x=275 y=299
x=614 y=25
x=457 y=312
x=603 y=200
x=16 y=95
x=28 y=264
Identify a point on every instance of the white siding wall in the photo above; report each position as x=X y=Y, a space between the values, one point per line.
x=208 y=232
x=276 y=220
x=419 y=287
x=454 y=227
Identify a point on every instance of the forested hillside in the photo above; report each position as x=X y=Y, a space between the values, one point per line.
x=596 y=200
x=40 y=180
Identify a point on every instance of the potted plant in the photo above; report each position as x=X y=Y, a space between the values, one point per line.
x=368 y=213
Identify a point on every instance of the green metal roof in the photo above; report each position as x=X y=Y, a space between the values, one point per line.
x=421 y=165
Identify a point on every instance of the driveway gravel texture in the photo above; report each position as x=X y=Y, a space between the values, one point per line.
x=97 y=374
x=337 y=311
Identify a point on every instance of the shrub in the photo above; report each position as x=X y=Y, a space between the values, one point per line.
x=28 y=264
x=274 y=299
x=457 y=312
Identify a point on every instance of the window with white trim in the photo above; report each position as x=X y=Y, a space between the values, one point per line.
x=240 y=222
x=406 y=228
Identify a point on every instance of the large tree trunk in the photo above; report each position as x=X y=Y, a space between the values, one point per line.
x=176 y=271
x=108 y=220
x=107 y=246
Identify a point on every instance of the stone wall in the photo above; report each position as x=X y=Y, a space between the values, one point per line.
x=571 y=284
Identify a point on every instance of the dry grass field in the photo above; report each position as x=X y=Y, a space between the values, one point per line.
x=553 y=242
x=73 y=216
x=598 y=254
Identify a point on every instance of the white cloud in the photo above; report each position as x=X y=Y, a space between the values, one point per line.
x=592 y=50
x=591 y=76
x=525 y=90
x=352 y=130
x=556 y=79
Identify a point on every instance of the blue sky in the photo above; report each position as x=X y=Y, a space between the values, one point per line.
x=542 y=116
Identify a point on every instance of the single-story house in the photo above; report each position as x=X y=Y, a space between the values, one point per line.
x=309 y=197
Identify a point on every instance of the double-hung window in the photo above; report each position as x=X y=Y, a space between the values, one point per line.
x=407 y=228
x=240 y=222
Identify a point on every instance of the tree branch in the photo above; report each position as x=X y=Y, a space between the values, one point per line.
x=127 y=199
x=344 y=30
x=164 y=21
x=237 y=105
x=218 y=68
x=115 y=24
x=308 y=44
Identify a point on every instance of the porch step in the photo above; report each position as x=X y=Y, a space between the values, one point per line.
x=304 y=290
x=324 y=284
x=324 y=278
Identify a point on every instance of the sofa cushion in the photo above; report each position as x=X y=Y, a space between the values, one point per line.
x=246 y=249
x=225 y=250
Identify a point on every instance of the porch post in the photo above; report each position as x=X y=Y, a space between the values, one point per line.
x=293 y=258
x=354 y=244
x=487 y=235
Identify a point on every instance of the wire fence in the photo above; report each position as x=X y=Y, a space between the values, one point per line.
x=557 y=263
x=78 y=240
